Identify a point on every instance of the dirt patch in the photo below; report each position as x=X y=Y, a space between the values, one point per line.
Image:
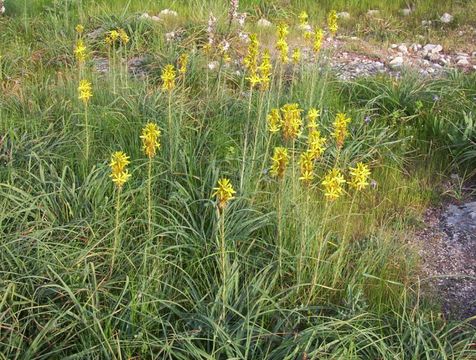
x=448 y=256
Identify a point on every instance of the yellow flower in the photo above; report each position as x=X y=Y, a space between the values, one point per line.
x=303 y=18
x=332 y=184
x=224 y=192
x=274 y=121
x=312 y=116
x=307 y=35
x=360 y=175
x=279 y=162
x=111 y=37
x=254 y=80
x=332 y=22
x=119 y=174
x=251 y=59
x=123 y=37
x=265 y=70
x=306 y=163
x=79 y=29
x=296 y=56
x=318 y=37
x=316 y=143
x=291 y=121
x=168 y=78
x=283 y=31
x=150 y=139
x=182 y=63
x=340 y=129
x=85 y=91
x=281 y=44
x=80 y=51
x=207 y=48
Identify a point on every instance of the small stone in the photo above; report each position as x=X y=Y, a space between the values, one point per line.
x=446 y=18
x=155 y=18
x=393 y=46
x=433 y=48
x=373 y=12
x=403 y=49
x=463 y=62
x=167 y=12
x=343 y=15
x=263 y=23
x=406 y=12
x=426 y=22
x=396 y=62
x=415 y=47
x=145 y=16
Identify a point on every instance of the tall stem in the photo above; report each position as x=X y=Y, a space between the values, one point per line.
x=117 y=240
x=245 y=145
x=86 y=126
x=223 y=265
x=149 y=198
x=171 y=132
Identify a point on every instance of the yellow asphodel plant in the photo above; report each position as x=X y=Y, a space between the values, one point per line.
x=120 y=175
x=85 y=92
x=224 y=192
x=168 y=77
x=150 y=144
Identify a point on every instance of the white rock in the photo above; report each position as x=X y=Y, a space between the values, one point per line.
x=463 y=62
x=263 y=23
x=415 y=47
x=446 y=18
x=396 y=62
x=393 y=46
x=343 y=15
x=373 y=12
x=406 y=12
x=426 y=22
x=167 y=12
x=155 y=18
x=433 y=48
x=213 y=65
x=403 y=49
x=305 y=27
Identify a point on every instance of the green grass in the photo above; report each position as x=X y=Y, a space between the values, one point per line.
x=304 y=278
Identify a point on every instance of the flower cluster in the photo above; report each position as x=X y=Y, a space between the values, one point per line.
x=332 y=22
x=280 y=160
x=359 y=176
x=265 y=70
x=292 y=121
x=150 y=139
x=281 y=44
x=332 y=184
x=114 y=36
x=80 y=51
x=306 y=163
x=318 y=38
x=182 y=64
x=119 y=173
x=341 y=131
x=223 y=192
x=296 y=56
x=251 y=59
x=85 y=91
x=274 y=121
x=303 y=20
x=79 y=29
x=168 y=78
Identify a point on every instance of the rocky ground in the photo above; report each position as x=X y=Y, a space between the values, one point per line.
x=448 y=254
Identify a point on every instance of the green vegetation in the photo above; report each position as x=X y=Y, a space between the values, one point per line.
x=156 y=265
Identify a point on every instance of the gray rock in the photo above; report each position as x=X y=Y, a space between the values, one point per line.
x=446 y=18
x=463 y=62
x=373 y=12
x=403 y=49
x=433 y=48
x=406 y=12
x=415 y=47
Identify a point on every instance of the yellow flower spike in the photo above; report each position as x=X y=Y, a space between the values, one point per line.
x=332 y=184
x=119 y=173
x=168 y=78
x=283 y=31
x=292 y=121
x=312 y=116
x=123 y=37
x=318 y=38
x=303 y=18
x=80 y=51
x=296 y=56
x=307 y=35
x=114 y=35
x=360 y=175
x=274 y=121
x=306 y=163
x=182 y=63
x=281 y=44
x=251 y=59
x=316 y=143
x=85 y=91
x=341 y=131
x=254 y=80
x=279 y=162
x=79 y=29
x=150 y=139
x=265 y=70
x=224 y=192
x=332 y=22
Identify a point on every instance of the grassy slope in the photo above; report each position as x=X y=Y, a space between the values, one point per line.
x=342 y=284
